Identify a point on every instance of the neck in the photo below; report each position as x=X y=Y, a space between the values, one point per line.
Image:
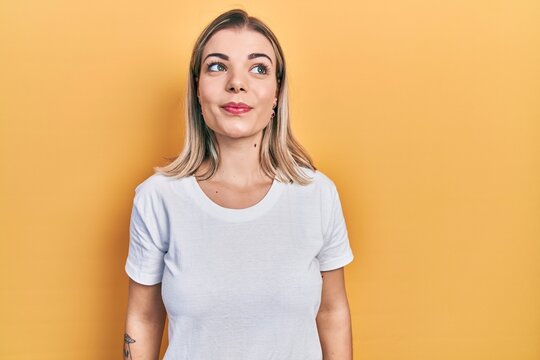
x=240 y=161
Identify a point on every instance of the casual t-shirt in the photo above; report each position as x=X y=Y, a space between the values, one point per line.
x=238 y=283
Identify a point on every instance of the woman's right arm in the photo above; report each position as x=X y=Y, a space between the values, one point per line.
x=145 y=321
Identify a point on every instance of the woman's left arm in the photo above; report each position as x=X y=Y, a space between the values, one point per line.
x=333 y=318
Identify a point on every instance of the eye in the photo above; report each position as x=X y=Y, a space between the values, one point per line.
x=261 y=69
x=215 y=66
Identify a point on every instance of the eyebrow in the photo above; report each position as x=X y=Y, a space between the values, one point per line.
x=250 y=56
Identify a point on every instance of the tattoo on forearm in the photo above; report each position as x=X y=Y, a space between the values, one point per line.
x=127 y=351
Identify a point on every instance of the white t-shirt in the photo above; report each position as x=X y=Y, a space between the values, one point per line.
x=238 y=284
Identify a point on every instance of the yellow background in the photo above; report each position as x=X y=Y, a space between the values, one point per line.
x=425 y=114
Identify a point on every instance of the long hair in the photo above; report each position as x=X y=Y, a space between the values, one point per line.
x=281 y=155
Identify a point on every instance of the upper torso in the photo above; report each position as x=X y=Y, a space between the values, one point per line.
x=242 y=283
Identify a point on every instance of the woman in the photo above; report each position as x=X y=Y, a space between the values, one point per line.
x=240 y=240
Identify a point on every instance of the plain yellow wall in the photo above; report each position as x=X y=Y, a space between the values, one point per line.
x=426 y=115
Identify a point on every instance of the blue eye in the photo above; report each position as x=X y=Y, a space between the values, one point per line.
x=262 y=69
x=216 y=66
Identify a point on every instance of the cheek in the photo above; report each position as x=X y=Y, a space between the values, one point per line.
x=267 y=94
x=208 y=91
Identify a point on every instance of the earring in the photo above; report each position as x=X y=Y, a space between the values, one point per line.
x=273 y=112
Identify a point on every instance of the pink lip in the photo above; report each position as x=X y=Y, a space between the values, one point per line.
x=236 y=108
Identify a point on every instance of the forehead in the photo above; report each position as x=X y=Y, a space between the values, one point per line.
x=239 y=43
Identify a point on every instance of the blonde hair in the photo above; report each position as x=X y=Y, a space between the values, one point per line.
x=281 y=155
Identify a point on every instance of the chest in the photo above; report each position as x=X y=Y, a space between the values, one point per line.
x=232 y=198
x=220 y=268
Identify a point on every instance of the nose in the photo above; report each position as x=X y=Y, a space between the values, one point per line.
x=236 y=83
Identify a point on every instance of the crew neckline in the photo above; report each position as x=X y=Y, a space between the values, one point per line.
x=230 y=214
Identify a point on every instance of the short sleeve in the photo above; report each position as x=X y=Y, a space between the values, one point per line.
x=147 y=241
x=336 y=251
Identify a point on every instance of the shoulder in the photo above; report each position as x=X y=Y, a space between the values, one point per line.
x=321 y=186
x=319 y=179
x=152 y=182
x=153 y=188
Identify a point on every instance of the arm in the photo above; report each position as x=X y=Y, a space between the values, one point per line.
x=333 y=318
x=145 y=321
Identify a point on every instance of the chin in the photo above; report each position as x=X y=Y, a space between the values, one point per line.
x=238 y=133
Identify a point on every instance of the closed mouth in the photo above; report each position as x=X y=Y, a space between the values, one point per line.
x=236 y=107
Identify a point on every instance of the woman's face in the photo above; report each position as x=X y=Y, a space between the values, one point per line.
x=237 y=66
